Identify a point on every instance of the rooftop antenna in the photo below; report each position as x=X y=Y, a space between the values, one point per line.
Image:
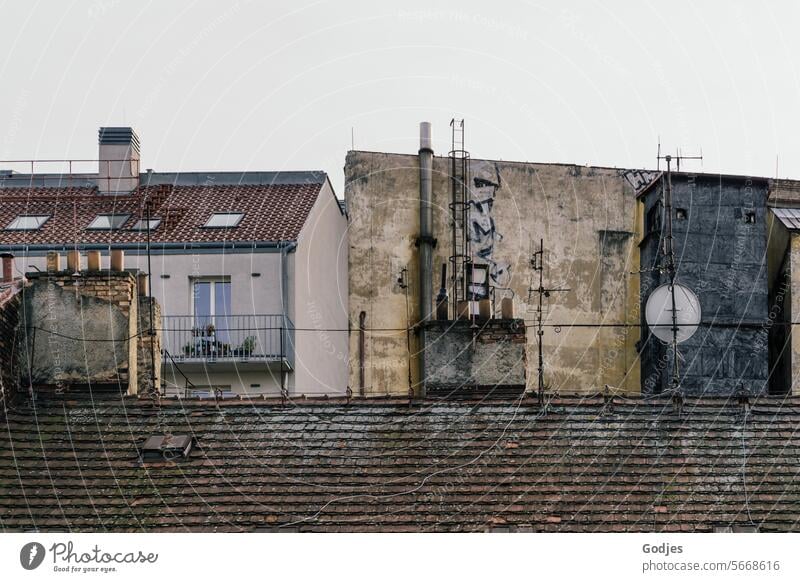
x=658 y=155
x=672 y=305
x=537 y=264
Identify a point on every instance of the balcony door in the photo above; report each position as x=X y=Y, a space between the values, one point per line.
x=211 y=298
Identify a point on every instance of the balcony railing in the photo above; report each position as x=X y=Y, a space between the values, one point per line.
x=229 y=338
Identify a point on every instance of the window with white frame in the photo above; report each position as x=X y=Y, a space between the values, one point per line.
x=224 y=220
x=211 y=305
x=108 y=221
x=28 y=222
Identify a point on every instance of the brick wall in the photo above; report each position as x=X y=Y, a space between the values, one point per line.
x=146 y=355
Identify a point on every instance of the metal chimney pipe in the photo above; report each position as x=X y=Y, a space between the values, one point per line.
x=425 y=221
x=425 y=240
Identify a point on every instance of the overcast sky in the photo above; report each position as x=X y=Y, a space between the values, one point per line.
x=280 y=85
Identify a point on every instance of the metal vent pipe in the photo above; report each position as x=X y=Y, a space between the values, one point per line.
x=426 y=240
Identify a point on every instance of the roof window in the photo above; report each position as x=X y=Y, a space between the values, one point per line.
x=224 y=220
x=146 y=224
x=108 y=221
x=28 y=222
x=166 y=447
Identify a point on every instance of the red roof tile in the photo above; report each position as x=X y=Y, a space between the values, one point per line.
x=272 y=212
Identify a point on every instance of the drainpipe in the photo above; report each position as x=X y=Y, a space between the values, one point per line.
x=285 y=249
x=426 y=241
x=362 y=319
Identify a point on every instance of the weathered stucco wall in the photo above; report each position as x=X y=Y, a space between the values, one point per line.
x=587 y=218
x=463 y=360
x=61 y=311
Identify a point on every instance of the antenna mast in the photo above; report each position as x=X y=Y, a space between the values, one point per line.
x=537 y=264
x=669 y=255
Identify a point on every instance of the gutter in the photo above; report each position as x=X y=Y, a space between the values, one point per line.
x=167 y=247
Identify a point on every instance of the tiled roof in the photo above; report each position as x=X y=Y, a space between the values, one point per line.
x=386 y=465
x=272 y=212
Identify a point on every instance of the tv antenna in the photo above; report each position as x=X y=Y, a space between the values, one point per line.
x=672 y=310
x=537 y=264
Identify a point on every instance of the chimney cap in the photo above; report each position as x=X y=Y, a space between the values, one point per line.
x=118 y=136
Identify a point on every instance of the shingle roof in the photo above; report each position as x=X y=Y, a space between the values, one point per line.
x=386 y=465
x=273 y=212
x=790 y=217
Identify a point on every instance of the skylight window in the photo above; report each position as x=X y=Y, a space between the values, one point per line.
x=145 y=224
x=224 y=220
x=28 y=222
x=108 y=221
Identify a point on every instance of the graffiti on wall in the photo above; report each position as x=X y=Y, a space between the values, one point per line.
x=483 y=230
x=639 y=179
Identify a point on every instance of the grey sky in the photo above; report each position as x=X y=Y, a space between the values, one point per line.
x=279 y=85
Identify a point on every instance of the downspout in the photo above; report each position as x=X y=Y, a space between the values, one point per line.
x=426 y=241
x=362 y=319
x=286 y=337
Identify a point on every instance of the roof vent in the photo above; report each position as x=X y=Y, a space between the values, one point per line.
x=167 y=447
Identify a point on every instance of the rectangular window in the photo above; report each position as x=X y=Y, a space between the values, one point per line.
x=28 y=222
x=212 y=308
x=224 y=220
x=145 y=224
x=108 y=221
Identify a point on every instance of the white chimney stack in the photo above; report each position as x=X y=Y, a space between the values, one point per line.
x=118 y=171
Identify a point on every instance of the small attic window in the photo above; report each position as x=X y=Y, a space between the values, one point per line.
x=28 y=222
x=145 y=224
x=166 y=448
x=681 y=214
x=224 y=220
x=108 y=221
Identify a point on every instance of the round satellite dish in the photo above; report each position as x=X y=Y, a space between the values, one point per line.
x=658 y=313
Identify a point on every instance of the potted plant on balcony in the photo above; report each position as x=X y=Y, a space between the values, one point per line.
x=246 y=348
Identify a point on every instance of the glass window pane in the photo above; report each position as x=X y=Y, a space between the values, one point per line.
x=224 y=220
x=26 y=222
x=222 y=307
x=202 y=303
x=109 y=221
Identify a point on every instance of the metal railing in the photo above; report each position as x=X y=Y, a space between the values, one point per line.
x=229 y=338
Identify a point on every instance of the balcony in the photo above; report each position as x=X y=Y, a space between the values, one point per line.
x=228 y=339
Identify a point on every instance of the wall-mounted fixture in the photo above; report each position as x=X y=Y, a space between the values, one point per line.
x=165 y=275
x=255 y=274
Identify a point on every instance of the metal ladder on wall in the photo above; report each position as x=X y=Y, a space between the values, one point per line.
x=461 y=256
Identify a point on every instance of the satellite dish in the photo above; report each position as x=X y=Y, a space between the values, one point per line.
x=658 y=313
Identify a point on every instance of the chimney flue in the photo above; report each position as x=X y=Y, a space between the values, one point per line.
x=425 y=239
x=118 y=171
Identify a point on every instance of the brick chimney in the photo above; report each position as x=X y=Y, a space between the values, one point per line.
x=8 y=267
x=118 y=171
